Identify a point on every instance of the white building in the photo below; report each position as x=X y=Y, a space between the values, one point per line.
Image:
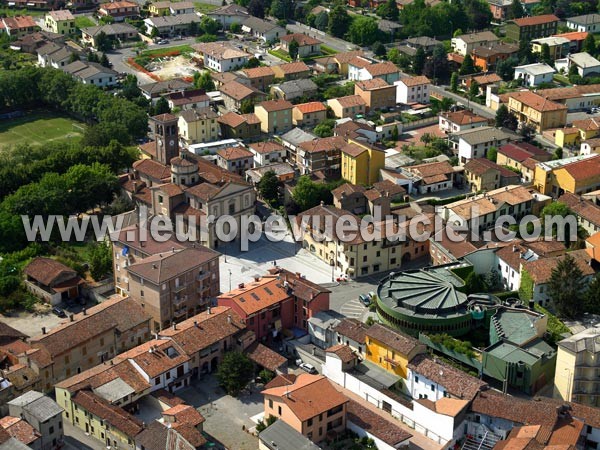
x=267 y=152
x=43 y=414
x=228 y=14
x=221 y=57
x=453 y=122
x=262 y=29
x=413 y=90
x=466 y=43
x=586 y=64
x=54 y=55
x=534 y=74
x=475 y=143
x=587 y=22
x=91 y=73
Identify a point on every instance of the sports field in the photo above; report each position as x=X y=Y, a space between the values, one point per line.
x=38 y=128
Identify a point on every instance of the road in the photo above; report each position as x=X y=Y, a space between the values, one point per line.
x=476 y=107
x=76 y=439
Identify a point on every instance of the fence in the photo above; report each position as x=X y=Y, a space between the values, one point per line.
x=419 y=123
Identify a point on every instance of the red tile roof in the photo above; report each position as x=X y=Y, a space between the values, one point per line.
x=310 y=107
x=384 y=429
x=265 y=357
x=415 y=81
x=585 y=169
x=382 y=68
x=258 y=72
x=257 y=295
x=47 y=270
x=349 y=101
x=301 y=39
x=275 y=105
x=343 y=352
x=233 y=153
x=535 y=101
x=536 y=20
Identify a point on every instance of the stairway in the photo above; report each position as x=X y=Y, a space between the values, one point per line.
x=488 y=442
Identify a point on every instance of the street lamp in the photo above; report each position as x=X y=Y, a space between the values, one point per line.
x=229 y=279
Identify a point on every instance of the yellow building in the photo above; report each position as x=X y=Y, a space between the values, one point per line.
x=558 y=46
x=60 y=22
x=588 y=128
x=275 y=116
x=159 y=8
x=361 y=162
x=577 y=365
x=567 y=137
x=536 y=110
x=577 y=175
x=391 y=349
x=198 y=125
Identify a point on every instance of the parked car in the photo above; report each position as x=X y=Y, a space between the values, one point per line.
x=59 y=312
x=308 y=368
x=364 y=299
x=163 y=42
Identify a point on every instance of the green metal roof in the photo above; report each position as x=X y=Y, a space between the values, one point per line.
x=517 y=326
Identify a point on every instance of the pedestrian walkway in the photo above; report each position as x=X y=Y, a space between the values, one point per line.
x=353 y=309
x=418 y=441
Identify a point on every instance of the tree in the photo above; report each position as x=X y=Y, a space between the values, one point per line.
x=558 y=153
x=252 y=63
x=506 y=69
x=282 y=9
x=321 y=21
x=379 y=49
x=527 y=130
x=554 y=210
x=339 y=21
x=545 y=55
x=262 y=425
x=308 y=194
x=293 y=49
x=478 y=13
x=592 y=296
x=388 y=10
x=234 y=372
x=473 y=89
x=104 y=60
x=325 y=128
x=516 y=10
x=454 y=82
x=573 y=73
x=161 y=107
x=589 y=45
x=103 y=42
x=504 y=118
x=74 y=57
x=492 y=154
x=203 y=80
x=257 y=8
x=268 y=187
x=363 y=30
x=266 y=375
x=524 y=53
x=566 y=287
x=247 y=106
x=100 y=260
x=209 y=25
x=418 y=62
x=474 y=283
x=467 y=67
x=235 y=27
x=395 y=134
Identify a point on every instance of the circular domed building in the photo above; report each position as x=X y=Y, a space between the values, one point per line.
x=184 y=171
x=432 y=301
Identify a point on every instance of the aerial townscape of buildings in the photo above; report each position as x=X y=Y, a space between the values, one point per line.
x=477 y=121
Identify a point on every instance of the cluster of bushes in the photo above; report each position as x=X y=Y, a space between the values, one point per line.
x=452 y=344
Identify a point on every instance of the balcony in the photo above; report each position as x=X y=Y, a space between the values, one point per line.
x=202 y=276
x=179 y=300
x=180 y=312
x=179 y=288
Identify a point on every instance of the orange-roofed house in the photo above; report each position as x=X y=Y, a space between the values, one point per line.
x=274 y=302
x=275 y=116
x=239 y=126
x=119 y=10
x=536 y=110
x=307 y=45
x=534 y=27
x=348 y=106
x=377 y=93
x=291 y=71
x=260 y=77
x=413 y=90
x=576 y=175
x=235 y=159
x=309 y=114
x=18 y=26
x=592 y=246
x=575 y=38
x=310 y=404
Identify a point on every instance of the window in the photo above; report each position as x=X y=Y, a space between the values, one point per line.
x=310 y=422
x=157 y=381
x=271 y=403
x=433 y=387
x=279 y=410
x=51 y=430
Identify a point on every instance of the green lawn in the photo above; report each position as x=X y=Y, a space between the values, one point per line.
x=38 y=128
x=84 y=22
x=281 y=55
x=204 y=7
x=166 y=51
x=11 y=12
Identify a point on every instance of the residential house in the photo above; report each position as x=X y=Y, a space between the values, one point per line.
x=174 y=285
x=391 y=350
x=576 y=175
x=342 y=61
x=18 y=26
x=221 y=57
x=466 y=43
x=235 y=159
x=183 y=100
x=387 y=70
x=361 y=162
x=235 y=93
x=376 y=93
x=153 y=91
x=281 y=436
x=178 y=8
x=31 y=42
x=590 y=146
x=293 y=89
x=291 y=71
x=21 y=431
x=292 y=140
x=499 y=8
x=359 y=200
x=320 y=154
x=484 y=209
x=179 y=426
x=454 y=122
x=60 y=22
x=481 y=174
x=575 y=98
x=275 y=302
x=309 y=114
x=309 y=404
x=307 y=45
x=586 y=64
x=427 y=43
x=178 y=25
x=54 y=55
x=161 y=8
x=267 y=152
x=43 y=415
x=264 y=30
x=348 y=106
x=534 y=109
x=587 y=212
x=575 y=368
x=558 y=46
x=411 y=90
x=576 y=39
x=432 y=177
x=119 y=10
x=198 y=125
x=275 y=116
x=283 y=170
x=352 y=333
x=587 y=23
x=532 y=75
x=91 y=73
x=229 y=14
x=522 y=157
x=487 y=58
x=87 y=339
x=359 y=256
x=239 y=126
x=51 y=280
x=116 y=31
x=260 y=77
x=529 y=28
x=476 y=142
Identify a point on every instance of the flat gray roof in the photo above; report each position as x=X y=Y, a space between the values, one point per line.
x=281 y=436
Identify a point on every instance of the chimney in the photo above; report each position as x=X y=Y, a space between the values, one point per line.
x=173 y=248
x=208 y=309
x=174 y=326
x=298 y=274
x=84 y=311
x=257 y=278
x=111 y=362
x=71 y=319
x=154 y=266
x=514 y=248
x=196 y=323
x=135 y=185
x=241 y=285
x=43 y=330
x=228 y=318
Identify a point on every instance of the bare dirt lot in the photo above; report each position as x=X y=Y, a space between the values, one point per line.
x=173 y=67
